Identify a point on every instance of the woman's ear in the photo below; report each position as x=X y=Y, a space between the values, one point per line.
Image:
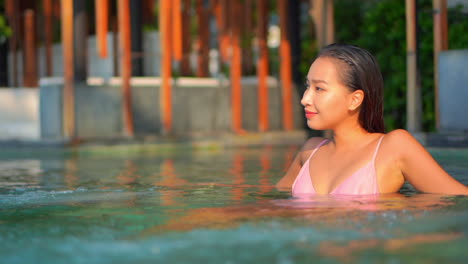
x=356 y=99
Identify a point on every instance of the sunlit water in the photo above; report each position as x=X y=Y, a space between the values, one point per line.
x=212 y=206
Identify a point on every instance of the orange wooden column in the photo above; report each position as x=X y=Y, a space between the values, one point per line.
x=47 y=9
x=29 y=59
x=102 y=25
x=330 y=27
x=440 y=44
x=236 y=70
x=317 y=13
x=322 y=12
x=165 y=18
x=262 y=66
x=221 y=14
x=285 y=66
x=413 y=88
x=177 y=29
x=186 y=45
x=203 y=38
x=126 y=64
x=68 y=91
x=224 y=22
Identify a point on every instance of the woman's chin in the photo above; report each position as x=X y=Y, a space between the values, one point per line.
x=313 y=125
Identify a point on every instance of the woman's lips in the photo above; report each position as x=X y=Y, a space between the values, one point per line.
x=310 y=114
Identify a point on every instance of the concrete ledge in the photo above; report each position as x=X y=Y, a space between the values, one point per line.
x=206 y=141
x=202 y=140
x=182 y=82
x=443 y=139
x=25 y=144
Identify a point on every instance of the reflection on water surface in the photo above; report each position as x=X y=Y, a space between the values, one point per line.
x=216 y=206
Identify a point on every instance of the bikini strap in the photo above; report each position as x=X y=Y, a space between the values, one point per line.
x=377 y=149
x=317 y=147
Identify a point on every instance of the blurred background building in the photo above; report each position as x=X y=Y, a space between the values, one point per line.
x=119 y=68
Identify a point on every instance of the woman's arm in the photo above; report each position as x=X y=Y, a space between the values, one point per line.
x=285 y=183
x=419 y=168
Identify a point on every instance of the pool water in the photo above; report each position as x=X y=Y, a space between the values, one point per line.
x=186 y=205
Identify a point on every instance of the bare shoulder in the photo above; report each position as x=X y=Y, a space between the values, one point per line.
x=399 y=134
x=419 y=167
x=288 y=179
x=309 y=146
x=312 y=143
x=400 y=138
x=404 y=145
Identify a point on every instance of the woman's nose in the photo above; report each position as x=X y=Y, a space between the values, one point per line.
x=306 y=98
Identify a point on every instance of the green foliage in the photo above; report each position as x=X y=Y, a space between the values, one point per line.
x=308 y=47
x=458 y=26
x=383 y=34
x=5 y=30
x=379 y=26
x=426 y=63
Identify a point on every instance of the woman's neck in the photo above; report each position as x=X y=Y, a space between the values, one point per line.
x=347 y=136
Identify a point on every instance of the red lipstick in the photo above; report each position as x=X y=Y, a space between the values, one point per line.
x=309 y=114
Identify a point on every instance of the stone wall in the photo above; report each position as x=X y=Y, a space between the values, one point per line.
x=19 y=114
x=199 y=105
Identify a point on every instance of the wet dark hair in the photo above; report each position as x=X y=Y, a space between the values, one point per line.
x=360 y=71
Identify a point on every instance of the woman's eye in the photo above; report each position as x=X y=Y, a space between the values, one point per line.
x=318 y=88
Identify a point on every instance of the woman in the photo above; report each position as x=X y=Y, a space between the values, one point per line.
x=345 y=95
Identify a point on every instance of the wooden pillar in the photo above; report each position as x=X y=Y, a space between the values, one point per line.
x=440 y=44
x=322 y=12
x=136 y=19
x=68 y=65
x=294 y=27
x=165 y=18
x=330 y=25
x=316 y=12
x=148 y=9
x=247 y=29
x=236 y=70
x=102 y=25
x=186 y=39
x=29 y=51
x=413 y=106
x=80 y=37
x=225 y=44
x=12 y=9
x=126 y=64
x=222 y=20
x=114 y=28
x=177 y=29
x=262 y=66
x=285 y=66
x=203 y=38
x=48 y=19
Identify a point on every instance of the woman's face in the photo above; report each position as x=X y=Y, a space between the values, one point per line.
x=326 y=100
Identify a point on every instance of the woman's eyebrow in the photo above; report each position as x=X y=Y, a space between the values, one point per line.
x=320 y=81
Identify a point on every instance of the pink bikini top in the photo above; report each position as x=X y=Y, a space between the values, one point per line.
x=363 y=181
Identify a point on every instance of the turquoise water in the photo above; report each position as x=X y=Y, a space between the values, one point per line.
x=150 y=205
